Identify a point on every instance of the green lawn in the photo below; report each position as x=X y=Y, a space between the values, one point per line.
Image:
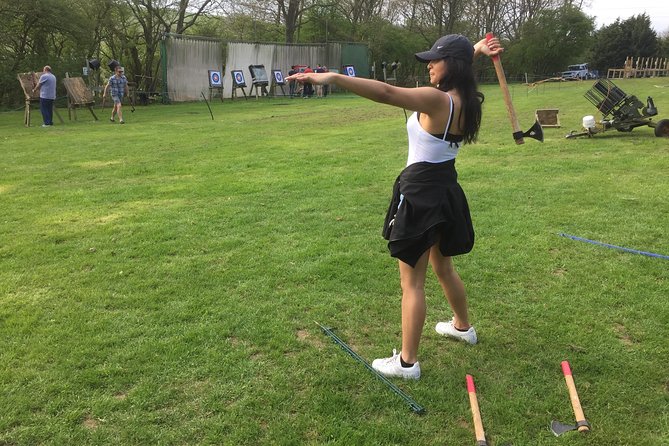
x=159 y=281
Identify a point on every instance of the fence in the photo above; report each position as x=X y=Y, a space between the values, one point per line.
x=643 y=67
x=186 y=61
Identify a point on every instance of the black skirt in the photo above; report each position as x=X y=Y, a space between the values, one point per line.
x=428 y=206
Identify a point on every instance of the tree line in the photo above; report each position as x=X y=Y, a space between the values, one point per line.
x=541 y=36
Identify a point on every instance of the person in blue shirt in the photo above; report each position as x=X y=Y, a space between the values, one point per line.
x=47 y=95
x=118 y=84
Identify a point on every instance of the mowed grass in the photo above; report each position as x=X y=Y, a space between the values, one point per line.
x=159 y=281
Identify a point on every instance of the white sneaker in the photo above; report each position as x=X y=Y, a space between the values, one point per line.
x=392 y=367
x=448 y=329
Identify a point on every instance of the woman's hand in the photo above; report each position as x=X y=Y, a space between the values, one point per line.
x=312 y=78
x=488 y=48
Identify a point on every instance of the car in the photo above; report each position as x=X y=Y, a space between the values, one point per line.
x=578 y=72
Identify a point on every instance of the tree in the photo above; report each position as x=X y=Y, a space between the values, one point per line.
x=519 y=12
x=290 y=12
x=632 y=37
x=359 y=12
x=663 y=45
x=137 y=34
x=550 y=41
x=34 y=33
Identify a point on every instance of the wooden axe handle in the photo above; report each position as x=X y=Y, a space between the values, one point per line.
x=573 y=396
x=476 y=414
x=501 y=77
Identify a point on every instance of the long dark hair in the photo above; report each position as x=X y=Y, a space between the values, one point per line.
x=460 y=76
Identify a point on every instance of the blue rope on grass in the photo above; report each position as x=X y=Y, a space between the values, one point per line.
x=633 y=251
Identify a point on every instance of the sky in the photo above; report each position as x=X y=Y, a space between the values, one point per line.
x=607 y=11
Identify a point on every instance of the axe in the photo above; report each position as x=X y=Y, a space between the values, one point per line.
x=476 y=414
x=581 y=424
x=535 y=131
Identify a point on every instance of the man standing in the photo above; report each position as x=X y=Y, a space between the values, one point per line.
x=307 y=88
x=319 y=88
x=292 y=86
x=47 y=95
x=119 y=87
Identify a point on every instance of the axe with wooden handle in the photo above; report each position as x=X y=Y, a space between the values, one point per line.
x=476 y=414
x=581 y=424
x=535 y=131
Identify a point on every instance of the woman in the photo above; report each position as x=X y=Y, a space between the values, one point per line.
x=428 y=220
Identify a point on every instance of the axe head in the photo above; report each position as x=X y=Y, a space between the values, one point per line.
x=535 y=132
x=559 y=428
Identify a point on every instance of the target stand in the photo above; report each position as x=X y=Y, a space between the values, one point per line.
x=238 y=83
x=215 y=84
x=349 y=70
x=259 y=81
x=277 y=81
x=78 y=96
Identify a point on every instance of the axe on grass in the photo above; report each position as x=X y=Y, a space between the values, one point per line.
x=535 y=131
x=581 y=424
x=476 y=413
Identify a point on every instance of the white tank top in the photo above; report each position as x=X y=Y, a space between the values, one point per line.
x=425 y=147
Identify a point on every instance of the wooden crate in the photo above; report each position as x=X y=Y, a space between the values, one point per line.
x=548 y=117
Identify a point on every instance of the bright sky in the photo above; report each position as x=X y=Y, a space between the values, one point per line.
x=607 y=11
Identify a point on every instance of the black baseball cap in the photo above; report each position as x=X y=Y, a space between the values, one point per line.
x=456 y=46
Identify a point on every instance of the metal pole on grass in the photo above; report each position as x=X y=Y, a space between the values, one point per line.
x=417 y=408
x=205 y=101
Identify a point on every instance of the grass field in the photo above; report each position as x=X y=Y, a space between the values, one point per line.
x=159 y=281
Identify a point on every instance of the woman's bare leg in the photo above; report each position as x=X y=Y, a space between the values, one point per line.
x=453 y=287
x=413 y=306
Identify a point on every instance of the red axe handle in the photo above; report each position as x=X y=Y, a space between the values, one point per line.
x=573 y=396
x=476 y=414
x=517 y=133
